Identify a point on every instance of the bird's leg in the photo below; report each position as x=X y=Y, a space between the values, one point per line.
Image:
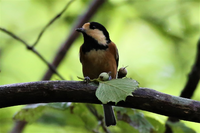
x=109 y=73
x=87 y=79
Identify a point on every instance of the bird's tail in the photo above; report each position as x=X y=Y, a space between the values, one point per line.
x=109 y=115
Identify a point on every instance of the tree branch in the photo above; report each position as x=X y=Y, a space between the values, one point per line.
x=74 y=91
x=190 y=86
x=193 y=77
x=54 y=19
x=33 y=50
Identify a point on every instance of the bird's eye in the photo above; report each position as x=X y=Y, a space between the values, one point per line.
x=93 y=27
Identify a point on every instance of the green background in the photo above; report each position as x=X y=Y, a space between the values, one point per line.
x=156 y=38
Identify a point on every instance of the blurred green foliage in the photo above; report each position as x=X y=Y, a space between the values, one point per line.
x=155 y=38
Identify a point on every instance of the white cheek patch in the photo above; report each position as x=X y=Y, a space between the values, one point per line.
x=97 y=35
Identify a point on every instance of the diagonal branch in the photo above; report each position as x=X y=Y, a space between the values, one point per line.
x=193 y=77
x=190 y=86
x=15 y=37
x=33 y=50
x=74 y=91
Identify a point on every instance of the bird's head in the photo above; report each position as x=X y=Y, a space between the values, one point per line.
x=96 y=31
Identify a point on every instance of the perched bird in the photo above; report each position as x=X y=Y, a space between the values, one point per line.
x=99 y=54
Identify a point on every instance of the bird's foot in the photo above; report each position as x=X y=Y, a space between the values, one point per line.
x=87 y=79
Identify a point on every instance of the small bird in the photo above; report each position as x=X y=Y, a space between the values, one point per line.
x=99 y=54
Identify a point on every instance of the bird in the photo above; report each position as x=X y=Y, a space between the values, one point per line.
x=99 y=54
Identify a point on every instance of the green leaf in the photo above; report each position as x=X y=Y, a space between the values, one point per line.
x=179 y=127
x=116 y=90
x=85 y=116
x=141 y=123
x=159 y=127
x=53 y=117
x=30 y=113
x=137 y=120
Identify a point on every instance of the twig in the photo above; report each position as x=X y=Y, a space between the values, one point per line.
x=74 y=91
x=15 y=37
x=33 y=50
x=55 y=18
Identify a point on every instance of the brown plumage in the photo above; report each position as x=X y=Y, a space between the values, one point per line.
x=96 y=62
x=98 y=54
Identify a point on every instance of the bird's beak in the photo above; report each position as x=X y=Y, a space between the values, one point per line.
x=80 y=30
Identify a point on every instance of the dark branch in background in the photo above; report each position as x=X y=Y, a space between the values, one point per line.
x=73 y=35
x=74 y=91
x=193 y=77
x=191 y=85
x=99 y=117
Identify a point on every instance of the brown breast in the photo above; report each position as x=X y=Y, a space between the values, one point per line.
x=96 y=62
